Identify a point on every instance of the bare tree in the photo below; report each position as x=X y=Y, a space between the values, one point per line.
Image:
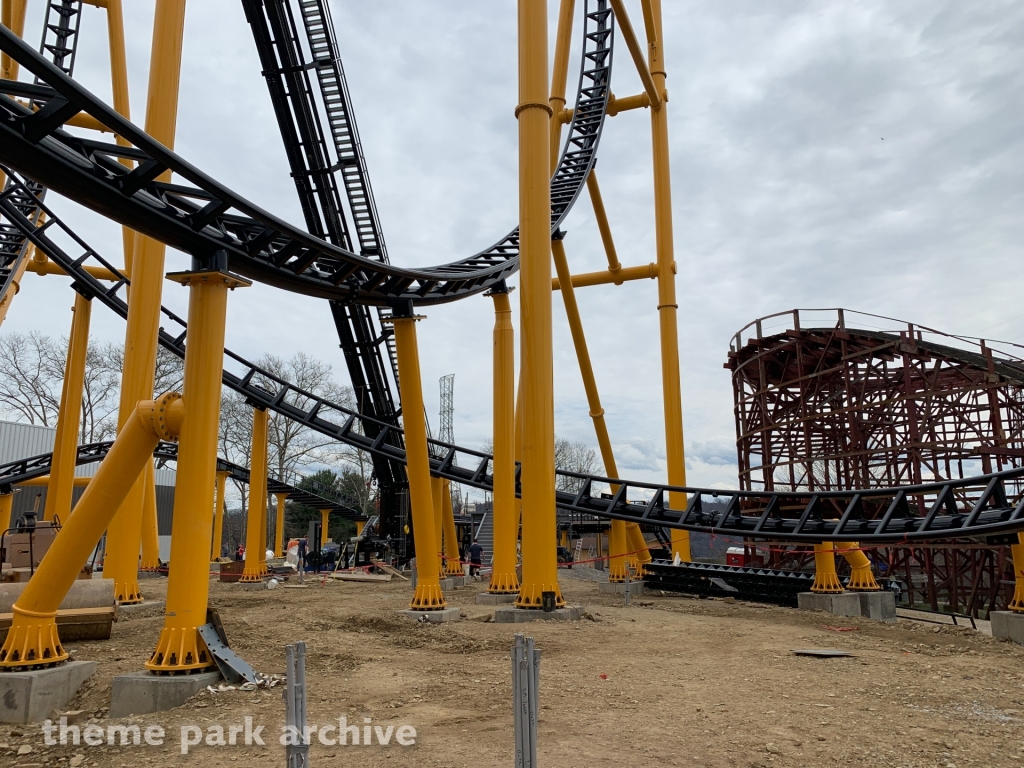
x=574 y=456
x=31 y=376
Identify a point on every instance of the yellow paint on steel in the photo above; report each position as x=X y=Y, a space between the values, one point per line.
x=597 y=202
x=861 y=577
x=637 y=53
x=325 y=519
x=540 y=562
x=46 y=267
x=264 y=504
x=123 y=539
x=436 y=492
x=1016 y=551
x=6 y=507
x=667 y=306
x=65 y=445
x=617 y=104
x=360 y=524
x=19 y=270
x=428 y=588
x=32 y=639
x=624 y=274
x=218 y=515
x=279 y=527
x=180 y=648
x=12 y=16
x=505 y=517
x=44 y=480
x=826 y=580
x=150 y=533
x=452 y=565
x=559 y=74
x=254 y=540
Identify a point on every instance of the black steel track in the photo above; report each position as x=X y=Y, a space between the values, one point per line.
x=980 y=506
x=22 y=470
x=206 y=217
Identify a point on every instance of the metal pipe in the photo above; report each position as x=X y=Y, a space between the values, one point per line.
x=825 y=578
x=559 y=74
x=46 y=267
x=123 y=539
x=150 y=533
x=625 y=274
x=617 y=104
x=540 y=562
x=667 y=307
x=453 y=566
x=32 y=639
x=428 y=589
x=504 y=579
x=626 y=29
x=602 y=224
x=279 y=527
x=436 y=492
x=180 y=647
x=65 y=444
x=253 y=570
x=218 y=516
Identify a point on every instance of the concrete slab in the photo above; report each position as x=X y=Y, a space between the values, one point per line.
x=147 y=606
x=814 y=601
x=435 y=617
x=139 y=693
x=846 y=604
x=486 y=598
x=619 y=588
x=457 y=581
x=447 y=585
x=880 y=606
x=252 y=586
x=521 y=615
x=1007 y=625
x=28 y=697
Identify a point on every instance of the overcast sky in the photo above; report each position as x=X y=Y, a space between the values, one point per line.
x=865 y=155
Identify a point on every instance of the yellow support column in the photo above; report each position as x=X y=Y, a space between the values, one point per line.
x=65 y=446
x=1016 y=551
x=6 y=505
x=325 y=519
x=279 y=527
x=505 y=518
x=32 y=639
x=147 y=272
x=180 y=648
x=453 y=567
x=253 y=570
x=436 y=490
x=540 y=561
x=150 y=532
x=861 y=577
x=559 y=74
x=825 y=577
x=263 y=526
x=667 y=307
x=218 y=516
x=428 y=595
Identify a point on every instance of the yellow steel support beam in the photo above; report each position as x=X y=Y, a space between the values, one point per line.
x=6 y=508
x=279 y=527
x=65 y=445
x=325 y=519
x=825 y=577
x=253 y=570
x=618 y=104
x=505 y=518
x=559 y=74
x=360 y=524
x=32 y=639
x=218 y=515
x=19 y=270
x=861 y=577
x=150 y=529
x=263 y=523
x=540 y=562
x=594 y=190
x=13 y=17
x=44 y=480
x=428 y=588
x=651 y=87
x=46 y=267
x=452 y=565
x=180 y=648
x=622 y=275
x=436 y=492
x=147 y=271
x=1016 y=551
x=667 y=307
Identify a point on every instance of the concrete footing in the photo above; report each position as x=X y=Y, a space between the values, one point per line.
x=880 y=606
x=139 y=693
x=28 y=697
x=619 y=588
x=487 y=598
x=447 y=585
x=1007 y=625
x=435 y=617
x=521 y=615
x=457 y=581
x=253 y=586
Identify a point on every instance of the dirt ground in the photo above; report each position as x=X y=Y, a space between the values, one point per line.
x=669 y=680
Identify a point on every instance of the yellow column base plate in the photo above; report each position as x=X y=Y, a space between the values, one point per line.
x=428 y=597
x=128 y=593
x=827 y=583
x=453 y=568
x=503 y=583
x=1017 y=603
x=862 y=580
x=179 y=649
x=32 y=641
x=531 y=596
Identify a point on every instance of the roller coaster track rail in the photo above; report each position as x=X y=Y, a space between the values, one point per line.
x=22 y=470
x=206 y=217
x=263 y=247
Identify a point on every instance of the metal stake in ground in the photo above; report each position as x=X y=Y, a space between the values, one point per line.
x=525 y=689
x=297 y=747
